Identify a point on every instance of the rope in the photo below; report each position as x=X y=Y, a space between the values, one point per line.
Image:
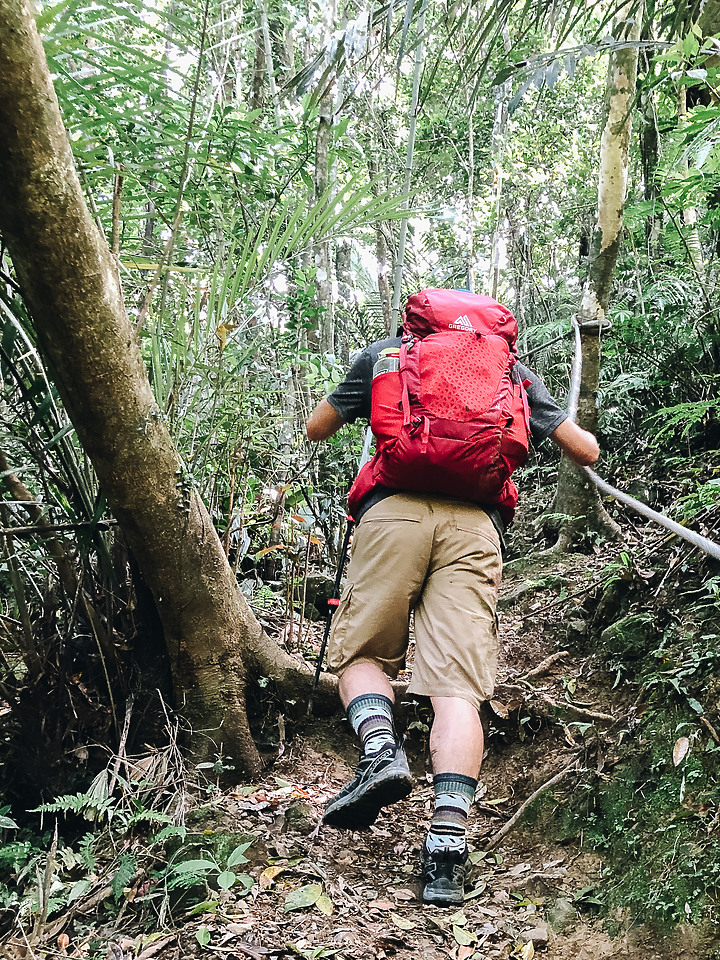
x=695 y=538
x=708 y=546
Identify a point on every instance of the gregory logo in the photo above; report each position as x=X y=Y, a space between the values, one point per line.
x=462 y=323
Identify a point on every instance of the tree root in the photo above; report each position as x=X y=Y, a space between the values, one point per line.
x=507 y=827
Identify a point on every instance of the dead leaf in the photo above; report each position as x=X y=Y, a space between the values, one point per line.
x=63 y=942
x=154 y=948
x=524 y=951
x=267 y=877
x=403 y=895
x=680 y=750
x=464 y=953
x=303 y=897
x=519 y=868
x=500 y=709
x=325 y=904
x=251 y=950
x=402 y=922
x=463 y=937
x=380 y=905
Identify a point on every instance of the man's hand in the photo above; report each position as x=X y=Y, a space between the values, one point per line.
x=323 y=422
x=577 y=444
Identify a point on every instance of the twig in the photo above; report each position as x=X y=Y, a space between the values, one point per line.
x=506 y=828
x=304 y=590
x=121 y=758
x=117 y=197
x=46 y=884
x=710 y=729
x=45 y=528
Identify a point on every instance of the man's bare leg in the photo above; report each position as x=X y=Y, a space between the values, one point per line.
x=456 y=738
x=363 y=678
x=456 y=749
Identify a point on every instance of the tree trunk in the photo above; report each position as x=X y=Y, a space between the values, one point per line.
x=575 y=494
x=70 y=284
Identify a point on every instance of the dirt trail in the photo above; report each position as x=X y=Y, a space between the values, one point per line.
x=528 y=896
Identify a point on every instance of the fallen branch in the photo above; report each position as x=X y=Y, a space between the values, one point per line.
x=506 y=828
x=544 y=666
x=581 y=712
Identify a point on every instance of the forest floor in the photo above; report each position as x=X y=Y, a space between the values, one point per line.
x=320 y=892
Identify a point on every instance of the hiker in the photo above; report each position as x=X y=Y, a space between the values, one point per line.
x=428 y=540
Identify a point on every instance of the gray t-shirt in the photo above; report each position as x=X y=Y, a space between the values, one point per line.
x=353 y=397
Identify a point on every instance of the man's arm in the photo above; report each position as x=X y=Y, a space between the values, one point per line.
x=323 y=422
x=577 y=444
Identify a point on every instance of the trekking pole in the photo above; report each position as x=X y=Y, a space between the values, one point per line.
x=332 y=607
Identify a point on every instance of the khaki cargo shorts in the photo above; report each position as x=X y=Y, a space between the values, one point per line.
x=440 y=558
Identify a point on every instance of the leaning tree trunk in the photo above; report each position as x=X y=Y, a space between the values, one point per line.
x=576 y=495
x=70 y=284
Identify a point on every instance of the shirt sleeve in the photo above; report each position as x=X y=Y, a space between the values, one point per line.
x=545 y=414
x=351 y=398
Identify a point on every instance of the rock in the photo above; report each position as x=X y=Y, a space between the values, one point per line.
x=540 y=935
x=577 y=630
x=318 y=591
x=561 y=914
x=300 y=816
x=630 y=636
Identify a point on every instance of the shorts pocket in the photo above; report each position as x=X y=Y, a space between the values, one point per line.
x=386 y=513
x=339 y=628
x=493 y=541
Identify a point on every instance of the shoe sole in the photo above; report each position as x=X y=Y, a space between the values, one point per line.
x=355 y=813
x=443 y=898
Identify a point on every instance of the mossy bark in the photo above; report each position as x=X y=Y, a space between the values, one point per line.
x=69 y=281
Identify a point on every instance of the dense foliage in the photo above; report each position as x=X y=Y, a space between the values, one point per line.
x=197 y=133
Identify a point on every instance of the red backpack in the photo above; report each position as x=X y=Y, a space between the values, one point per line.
x=453 y=419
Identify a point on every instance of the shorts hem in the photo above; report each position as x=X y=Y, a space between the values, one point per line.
x=339 y=671
x=476 y=699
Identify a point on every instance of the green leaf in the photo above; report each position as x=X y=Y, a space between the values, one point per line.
x=203 y=936
x=226 y=879
x=125 y=872
x=462 y=936
x=207 y=906
x=79 y=889
x=479 y=889
x=7 y=824
x=195 y=866
x=303 y=897
x=238 y=854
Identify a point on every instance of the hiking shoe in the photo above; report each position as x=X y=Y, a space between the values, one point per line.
x=443 y=874
x=380 y=779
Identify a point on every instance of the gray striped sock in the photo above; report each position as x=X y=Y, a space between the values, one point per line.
x=372 y=720
x=454 y=793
